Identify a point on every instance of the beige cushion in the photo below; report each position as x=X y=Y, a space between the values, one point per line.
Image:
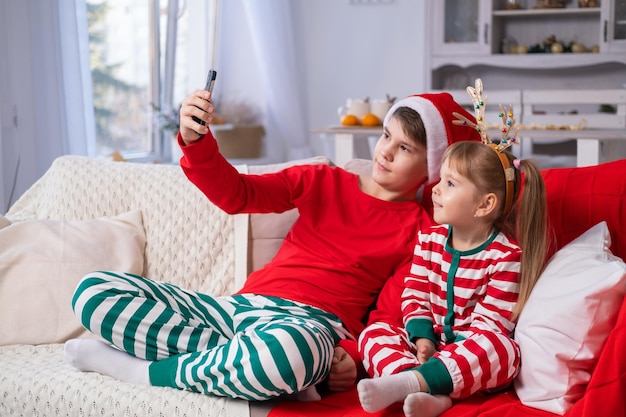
x=361 y=167
x=41 y=261
x=267 y=231
x=189 y=241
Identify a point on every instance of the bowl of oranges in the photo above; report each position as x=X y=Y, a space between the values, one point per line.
x=364 y=113
x=368 y=120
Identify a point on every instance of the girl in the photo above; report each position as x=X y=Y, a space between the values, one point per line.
x=276 y=335
x=465 y=288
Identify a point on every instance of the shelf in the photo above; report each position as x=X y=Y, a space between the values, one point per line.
x=478 y=50
x=545 y=12
x=529 y=61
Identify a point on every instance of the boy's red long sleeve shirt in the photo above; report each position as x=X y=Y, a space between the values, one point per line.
x=342 y=248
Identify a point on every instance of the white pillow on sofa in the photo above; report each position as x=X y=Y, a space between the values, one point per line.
x=268 y=230
x=567 y=320
x=41 y=261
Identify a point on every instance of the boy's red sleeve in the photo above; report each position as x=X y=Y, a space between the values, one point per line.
x=389 y=304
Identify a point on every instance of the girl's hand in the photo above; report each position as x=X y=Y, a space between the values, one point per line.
x=196 y=104
x=343 y=371
x=425 y=349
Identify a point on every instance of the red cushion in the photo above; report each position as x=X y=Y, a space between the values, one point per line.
x=579 y=198
x=606 y=391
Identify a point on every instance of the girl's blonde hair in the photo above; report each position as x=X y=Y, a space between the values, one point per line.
x=527 y=221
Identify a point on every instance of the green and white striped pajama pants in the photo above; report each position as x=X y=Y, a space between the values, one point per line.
x=242 y=346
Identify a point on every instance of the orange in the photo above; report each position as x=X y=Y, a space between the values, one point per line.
x=370 y=120
x=349 y=120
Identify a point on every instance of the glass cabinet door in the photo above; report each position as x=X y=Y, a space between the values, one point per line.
x=619 y=20
x=461 y=27
x=614 y=20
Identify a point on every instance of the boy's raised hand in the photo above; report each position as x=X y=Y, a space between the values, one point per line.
x=196 y=104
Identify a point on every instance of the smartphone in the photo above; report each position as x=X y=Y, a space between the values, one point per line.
x=210 y=81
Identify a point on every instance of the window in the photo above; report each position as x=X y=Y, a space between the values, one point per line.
x=140 y=54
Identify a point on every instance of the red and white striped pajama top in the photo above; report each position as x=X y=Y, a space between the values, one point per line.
x=462 y=301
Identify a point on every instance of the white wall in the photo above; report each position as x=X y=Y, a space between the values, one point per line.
x=358 y=51
x=346 y=50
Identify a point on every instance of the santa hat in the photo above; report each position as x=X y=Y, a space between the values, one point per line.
x=436 y=111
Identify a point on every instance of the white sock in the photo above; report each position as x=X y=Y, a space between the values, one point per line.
x=422 y=404
x=378 y=393
x=92 y=355
x=308 y=394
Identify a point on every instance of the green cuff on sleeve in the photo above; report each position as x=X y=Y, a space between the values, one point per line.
x=437 y=376
x=418 y=328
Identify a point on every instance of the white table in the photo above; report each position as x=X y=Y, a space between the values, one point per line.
x=588 y=141
x=345 y=137
x=588 y=150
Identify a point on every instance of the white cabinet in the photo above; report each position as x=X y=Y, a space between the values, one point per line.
x=461 y=27
x=480 y=33
x=614 y=26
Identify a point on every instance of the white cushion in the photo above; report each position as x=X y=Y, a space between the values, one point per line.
x=566 y=321
x=41 y=261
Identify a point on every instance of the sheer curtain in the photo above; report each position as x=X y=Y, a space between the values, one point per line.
x=45 y=89
x=271 y=26
x=62 y=78
x=78 y=102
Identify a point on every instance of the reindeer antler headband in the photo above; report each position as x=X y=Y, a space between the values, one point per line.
x=506 y=139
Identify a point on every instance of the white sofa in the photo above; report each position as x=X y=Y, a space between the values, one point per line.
x=185 y=240
x=188 y=242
